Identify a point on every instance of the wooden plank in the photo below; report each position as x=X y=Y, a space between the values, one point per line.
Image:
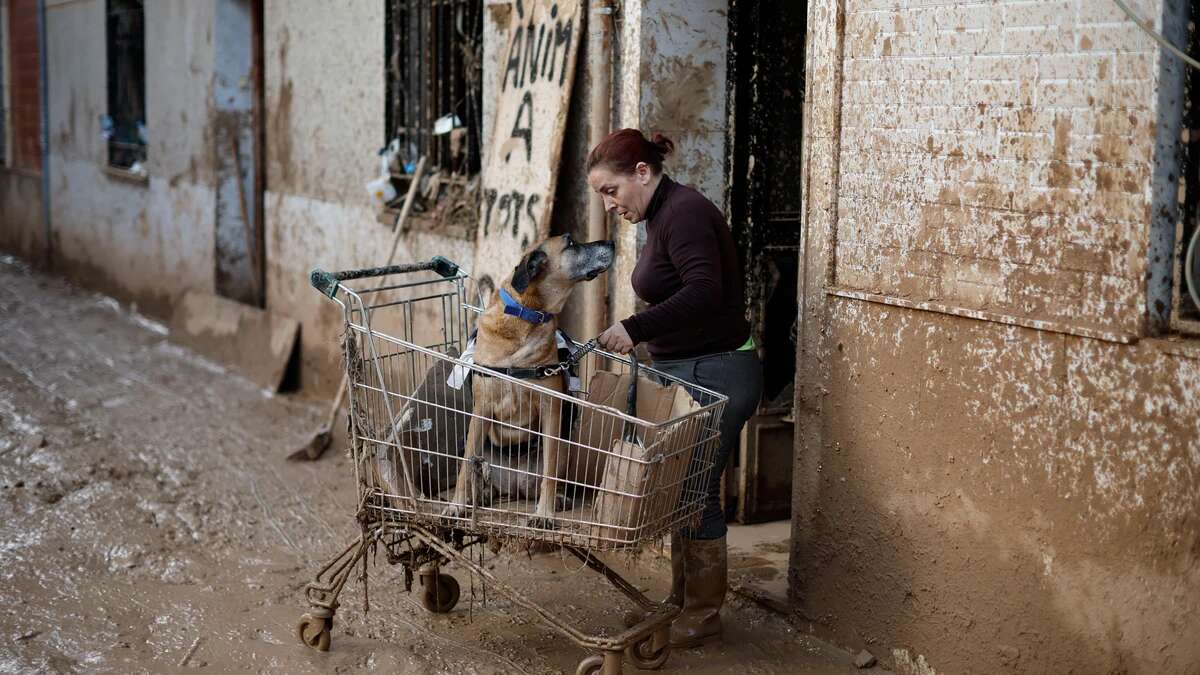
x=519 y=179
x=254 y=342
x=765 y=470
x=985 y=315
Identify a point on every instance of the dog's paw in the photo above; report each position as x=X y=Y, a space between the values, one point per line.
x=563 y=503
x=542 y=523
x=454 y=511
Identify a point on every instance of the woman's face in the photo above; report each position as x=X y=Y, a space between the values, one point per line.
x=625 y=194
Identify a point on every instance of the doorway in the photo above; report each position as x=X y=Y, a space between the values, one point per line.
x=766 y=100
x=238 y=150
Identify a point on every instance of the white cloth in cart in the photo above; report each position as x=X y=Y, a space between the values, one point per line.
x=460 y=374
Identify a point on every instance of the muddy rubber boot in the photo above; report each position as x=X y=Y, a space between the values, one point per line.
x=705 y=578
x=634 y=617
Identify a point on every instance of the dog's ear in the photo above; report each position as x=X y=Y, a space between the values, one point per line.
x=528 y=269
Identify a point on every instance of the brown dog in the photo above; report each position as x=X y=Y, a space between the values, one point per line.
x=517 y=331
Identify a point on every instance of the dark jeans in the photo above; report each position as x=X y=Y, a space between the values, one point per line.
x=737 y=375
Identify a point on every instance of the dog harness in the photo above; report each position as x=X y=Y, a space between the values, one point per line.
x=569 y=351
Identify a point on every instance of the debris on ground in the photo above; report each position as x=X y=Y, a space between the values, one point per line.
x=865 y=659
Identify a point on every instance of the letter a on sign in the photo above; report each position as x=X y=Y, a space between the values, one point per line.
x=530 y=113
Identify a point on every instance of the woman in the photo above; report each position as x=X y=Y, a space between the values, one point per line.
x=695 y=328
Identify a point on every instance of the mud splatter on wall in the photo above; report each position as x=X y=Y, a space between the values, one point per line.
x=325 y=116
x=1030 y=492
x=142 y=240
x=669 y=76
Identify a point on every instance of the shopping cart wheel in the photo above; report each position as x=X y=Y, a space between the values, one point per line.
x=645 y=655
x=591 y=665
x=314 y=631
x=608 y=663
x=440 y=596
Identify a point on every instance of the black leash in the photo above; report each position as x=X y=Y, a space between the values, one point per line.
x=549 y=370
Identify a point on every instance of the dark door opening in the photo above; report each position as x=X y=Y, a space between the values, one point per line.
x=237 y=139
x=766 y=67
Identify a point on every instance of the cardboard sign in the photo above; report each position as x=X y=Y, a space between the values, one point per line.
x=535 y=78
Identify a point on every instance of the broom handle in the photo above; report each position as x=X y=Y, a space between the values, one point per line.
x=399 y=228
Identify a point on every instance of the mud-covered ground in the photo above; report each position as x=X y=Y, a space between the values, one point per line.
x=149 y=523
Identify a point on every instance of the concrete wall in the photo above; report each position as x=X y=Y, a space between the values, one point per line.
x=21 y=230
x=324 y=72
x=147 y=241
x=996 y=471
x=669 y=77
x=150 y=240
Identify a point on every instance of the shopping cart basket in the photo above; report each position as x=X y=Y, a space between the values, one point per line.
x=624 y=476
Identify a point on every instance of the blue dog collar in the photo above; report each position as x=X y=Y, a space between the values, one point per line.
x=514 y=308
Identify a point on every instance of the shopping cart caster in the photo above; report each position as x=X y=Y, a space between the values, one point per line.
x=440 y=593
x=651 y=652
x=608 y=663
x=314 y=629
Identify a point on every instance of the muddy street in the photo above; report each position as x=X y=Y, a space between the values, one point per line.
x=149 y=523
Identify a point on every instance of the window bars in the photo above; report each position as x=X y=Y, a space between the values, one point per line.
x=433 y=82
x=126 y=120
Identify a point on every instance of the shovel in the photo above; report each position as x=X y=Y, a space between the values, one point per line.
x=319 y=442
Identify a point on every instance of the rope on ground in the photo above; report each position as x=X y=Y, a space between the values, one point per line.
x=187 y=657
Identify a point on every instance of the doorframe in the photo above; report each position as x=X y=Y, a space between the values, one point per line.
x=258 y=117
x=754 y=225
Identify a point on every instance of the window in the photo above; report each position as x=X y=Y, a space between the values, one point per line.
x=125 y=124
x=434 y=85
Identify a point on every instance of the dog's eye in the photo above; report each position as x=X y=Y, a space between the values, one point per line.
x=568 y=241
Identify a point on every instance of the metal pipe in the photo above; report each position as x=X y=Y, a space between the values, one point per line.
x=600 y=109
x=45 y=98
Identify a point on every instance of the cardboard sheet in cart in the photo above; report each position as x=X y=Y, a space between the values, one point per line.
x=640 y=481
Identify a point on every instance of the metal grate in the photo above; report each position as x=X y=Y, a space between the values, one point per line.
x=433 y=50
x=126 y=42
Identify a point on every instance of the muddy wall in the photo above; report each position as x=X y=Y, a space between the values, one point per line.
x=146 y=240
x=997 y=468
x=21 y=230
x=669 y=76
x=324 y=72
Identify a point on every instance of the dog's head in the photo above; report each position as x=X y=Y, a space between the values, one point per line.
x=554 y=267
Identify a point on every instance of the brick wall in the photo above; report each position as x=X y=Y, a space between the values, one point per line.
x=995 y=157
x=25 y=113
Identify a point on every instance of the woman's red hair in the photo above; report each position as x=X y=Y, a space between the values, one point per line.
x=621 y=151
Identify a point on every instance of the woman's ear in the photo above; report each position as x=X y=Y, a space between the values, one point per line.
x=643 y=173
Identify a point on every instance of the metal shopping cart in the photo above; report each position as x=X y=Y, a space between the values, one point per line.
x=625 y=475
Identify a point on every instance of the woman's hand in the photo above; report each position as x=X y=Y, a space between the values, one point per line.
x=616 y=339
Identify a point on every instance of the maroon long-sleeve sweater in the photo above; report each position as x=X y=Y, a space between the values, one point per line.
x=690 y=276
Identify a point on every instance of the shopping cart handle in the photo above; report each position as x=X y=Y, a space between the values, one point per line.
x=327 y=282
x=323 y=281
x=445 y=267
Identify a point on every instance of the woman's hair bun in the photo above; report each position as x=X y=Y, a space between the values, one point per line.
x=622 y=150
x=664 y=145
